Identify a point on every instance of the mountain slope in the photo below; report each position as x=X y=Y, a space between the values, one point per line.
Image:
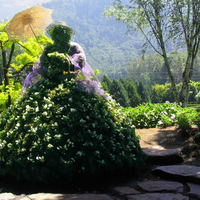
x=103 y=39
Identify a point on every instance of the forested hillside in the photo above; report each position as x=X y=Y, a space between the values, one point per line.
x=102 y=39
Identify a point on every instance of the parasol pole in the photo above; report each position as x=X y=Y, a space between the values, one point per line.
x=35 y=36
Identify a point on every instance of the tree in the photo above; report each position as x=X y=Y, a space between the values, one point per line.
x=106 y=83
x=16 y=56
x=185 y=17
x=142 y=14
x=143 y=92
x=160 y=21
x=119 y=93
x=133 y=95
x=4 y=45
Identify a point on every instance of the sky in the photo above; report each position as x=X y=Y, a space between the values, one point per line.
x=8 y=8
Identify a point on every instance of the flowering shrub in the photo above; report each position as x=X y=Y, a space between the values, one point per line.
x=63 y=131
x=161 y=115
x=197 y=121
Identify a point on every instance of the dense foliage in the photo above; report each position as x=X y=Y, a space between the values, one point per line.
x=129 y=93
x=150 y=68
x=16 y=59
x=162 y=115
x=61 y=131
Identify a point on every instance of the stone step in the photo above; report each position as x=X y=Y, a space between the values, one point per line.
x=158 y=196
x=163 y=156
x=160 y=186
x=49 y=196
x=150 y=190
x=186 y=173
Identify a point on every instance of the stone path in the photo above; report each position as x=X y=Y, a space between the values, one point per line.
x=173 y=181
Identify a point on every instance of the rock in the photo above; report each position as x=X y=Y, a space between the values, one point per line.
x=49 y=196
x=91 y=197
x=158 y=186
x=7 y=196
x=45 y=196
x=158 y=196
x=194 y=190
x=126 y=190
x=163 y=157
x=185 y=173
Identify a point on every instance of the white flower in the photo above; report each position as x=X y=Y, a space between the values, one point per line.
x=82 y=121
x=45 y=113
x=28 y=108
x=50 y=146
x=55 y=124
x=17 y=125
x=57 y=136
x=37 y=109
x=9 y=145
x=173 y=116
x=72 y=109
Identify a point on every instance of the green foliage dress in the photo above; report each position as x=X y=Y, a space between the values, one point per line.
x=58 y=130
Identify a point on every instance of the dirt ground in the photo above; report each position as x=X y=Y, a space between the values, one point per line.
x=169 y=138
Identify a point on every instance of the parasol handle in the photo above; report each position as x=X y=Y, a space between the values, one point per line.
x=35 y=36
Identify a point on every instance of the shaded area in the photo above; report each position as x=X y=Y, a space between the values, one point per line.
x=170 y=138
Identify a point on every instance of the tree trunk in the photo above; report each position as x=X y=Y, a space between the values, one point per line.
x=6 y=69
x=187 y=75
x=170 y=76
x=164 y=55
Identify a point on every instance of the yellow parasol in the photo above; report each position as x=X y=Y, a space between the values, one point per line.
x=29 y=23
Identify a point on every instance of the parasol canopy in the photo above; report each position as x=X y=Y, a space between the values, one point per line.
x=29 y=23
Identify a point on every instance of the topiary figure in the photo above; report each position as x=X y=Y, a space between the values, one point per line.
x=60 y=130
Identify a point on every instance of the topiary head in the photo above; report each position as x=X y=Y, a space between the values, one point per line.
x=60 y=33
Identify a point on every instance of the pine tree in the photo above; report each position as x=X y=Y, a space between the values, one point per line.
x=133 y=95
x=106 y=83
x=119 y=93
x=143 y=92
x=124 y=82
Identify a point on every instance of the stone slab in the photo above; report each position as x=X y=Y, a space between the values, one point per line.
x=91 y=197
x=185 y=173
x=194 y=190
x=163 y=156
x=158 y=196
x=7 y=196
x=126 y=190
x=48 y=196
x=159 y=186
